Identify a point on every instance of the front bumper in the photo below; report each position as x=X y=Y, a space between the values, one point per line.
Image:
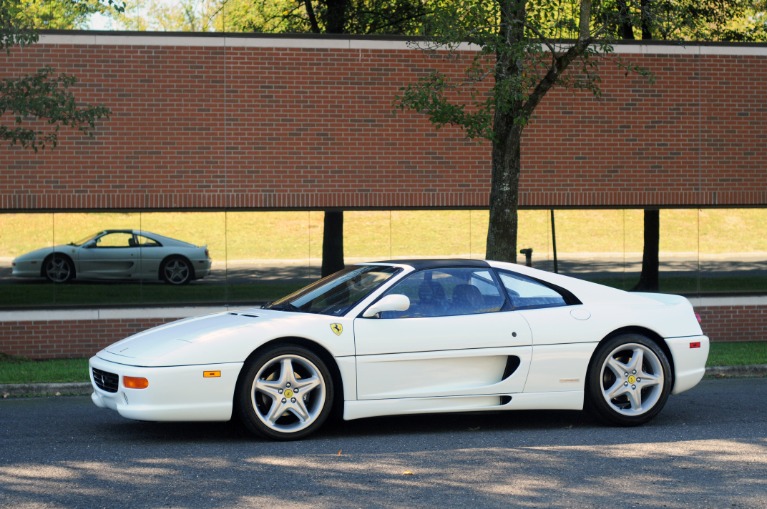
x=26 y=269
x=175 y=393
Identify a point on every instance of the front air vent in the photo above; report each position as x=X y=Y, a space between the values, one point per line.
x=248 y=315
x=105 y=381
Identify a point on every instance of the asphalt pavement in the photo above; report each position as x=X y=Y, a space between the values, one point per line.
x=706 y=449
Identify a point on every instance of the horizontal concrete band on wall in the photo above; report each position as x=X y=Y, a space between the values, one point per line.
x=60 y=334
x=252 y=122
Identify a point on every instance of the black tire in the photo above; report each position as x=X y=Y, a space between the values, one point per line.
x=629 y=380
x=176 y=271
x=58 y=269
x=285 y=393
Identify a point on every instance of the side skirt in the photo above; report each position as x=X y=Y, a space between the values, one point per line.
x=568 y=400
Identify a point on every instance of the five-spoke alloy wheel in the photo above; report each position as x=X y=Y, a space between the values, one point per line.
x=629 y=380
x=285 y=393
x=58 y=269
x=176 y=271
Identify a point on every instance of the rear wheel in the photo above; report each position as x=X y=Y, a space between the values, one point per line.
x=285 y=393
x=629 y=380
x=58 y=269
x=176 y=271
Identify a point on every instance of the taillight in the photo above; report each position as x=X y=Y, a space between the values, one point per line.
x=697 y=316
x=695 y=344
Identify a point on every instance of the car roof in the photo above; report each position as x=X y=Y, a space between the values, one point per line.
x=436 y=263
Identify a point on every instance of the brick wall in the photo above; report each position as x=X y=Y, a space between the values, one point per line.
x=66 y=339
x=211 y=122
x=62 y=338
x=734 y=322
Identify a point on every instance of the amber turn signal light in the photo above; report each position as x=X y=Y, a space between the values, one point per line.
x=135 y=382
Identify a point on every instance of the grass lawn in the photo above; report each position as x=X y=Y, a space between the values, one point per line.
x=16 y=371
x=386 y=234
x=20 y=371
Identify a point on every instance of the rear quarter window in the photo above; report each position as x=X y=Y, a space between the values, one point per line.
x=528 y=293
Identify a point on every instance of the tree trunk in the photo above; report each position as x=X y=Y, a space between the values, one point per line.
x=649 y=278
x=504 y=195
x=625 y=28
x=335 y=15
x=333 y=242
x=507 y=142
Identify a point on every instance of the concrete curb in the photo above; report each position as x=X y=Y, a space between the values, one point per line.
x=757 y=370
x=84 y=389
x=38 y=390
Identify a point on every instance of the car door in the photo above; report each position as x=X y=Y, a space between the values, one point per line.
x=151 y=255
x=111 y=256
x=446 y=343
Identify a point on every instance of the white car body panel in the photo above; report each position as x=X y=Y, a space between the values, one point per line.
x=422 y=357
x=439 y=374
x=226 y=337
x=689 y=363
x=504 y=360
x=557 y=368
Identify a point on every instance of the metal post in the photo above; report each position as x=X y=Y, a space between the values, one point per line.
x=528 y=256
x=554 y=242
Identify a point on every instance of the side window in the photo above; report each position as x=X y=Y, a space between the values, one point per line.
x=447 y=292
x=118 y=239
x=526 y=293
x=146 y=241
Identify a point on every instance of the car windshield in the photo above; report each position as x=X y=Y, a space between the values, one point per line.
x=336 y=294
x=85 y=239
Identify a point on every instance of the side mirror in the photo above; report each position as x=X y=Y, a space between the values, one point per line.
x=90 y=245
x=393 y=302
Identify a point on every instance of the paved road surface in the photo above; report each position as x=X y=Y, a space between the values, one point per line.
x=708 y=448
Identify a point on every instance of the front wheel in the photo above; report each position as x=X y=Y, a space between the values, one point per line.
x=285 y=393
x=629 y=380
x=58 y=269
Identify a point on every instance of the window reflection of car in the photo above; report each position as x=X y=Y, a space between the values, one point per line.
x=118 y=255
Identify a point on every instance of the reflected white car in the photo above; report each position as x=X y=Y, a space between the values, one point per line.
x=118 y=254
x=407 y=337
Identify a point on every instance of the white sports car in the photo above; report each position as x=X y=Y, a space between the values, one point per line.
x=118 y=254
x=406 y=337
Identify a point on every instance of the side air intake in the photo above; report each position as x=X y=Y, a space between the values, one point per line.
x=512 y=364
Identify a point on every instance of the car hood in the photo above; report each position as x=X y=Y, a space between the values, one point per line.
x=213 y=339
x=39 y=254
